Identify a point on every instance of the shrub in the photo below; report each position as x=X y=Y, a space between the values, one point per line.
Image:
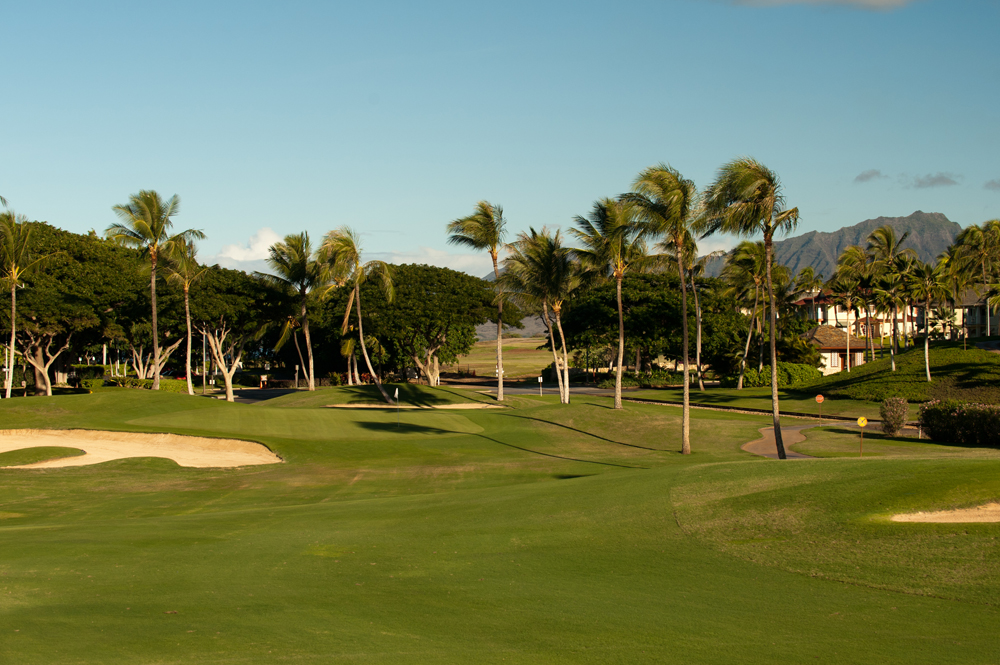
x=789 y=375
x=628 y=381
x=130 y=382
x=967 y=424
x=90 y=384
x=84 y=372
x=893 y=413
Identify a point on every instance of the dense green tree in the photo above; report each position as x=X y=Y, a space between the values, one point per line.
x=746 y=199
x=232 y=309
x=19 y=258
x=432 y=316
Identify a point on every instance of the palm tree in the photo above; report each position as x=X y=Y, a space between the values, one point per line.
x=485 y=229
x=540 y=271
x=746 y=199
x=745 y=269
x=611 y=249
x=297 y=270
x=928 y=283
x=807 y=281
x=845 y=287
x=980 y=246
x=182 y=267
x=341 y=254
x=16 y=262
x=889 y=293
x=665 y=204
x=855 y=264
x=146 y=225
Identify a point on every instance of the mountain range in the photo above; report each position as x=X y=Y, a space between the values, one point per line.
x=930 y=234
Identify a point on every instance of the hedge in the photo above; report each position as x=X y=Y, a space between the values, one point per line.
x=789 y=375
x=964 y=423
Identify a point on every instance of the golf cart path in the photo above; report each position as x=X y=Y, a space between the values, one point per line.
x=766 y=446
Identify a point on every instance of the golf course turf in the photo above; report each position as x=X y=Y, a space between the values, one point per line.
x=538 y=533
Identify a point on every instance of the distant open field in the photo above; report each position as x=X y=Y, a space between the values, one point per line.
x=537 y=533
x=521 y=358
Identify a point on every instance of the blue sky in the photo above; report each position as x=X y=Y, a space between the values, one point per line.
x=395 y=118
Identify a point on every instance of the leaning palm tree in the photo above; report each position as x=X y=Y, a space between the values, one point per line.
x=296 y=269
x=611 y=249
x=485 y=229
x=540 y=271
x=666 y=204
x=746 y=199
x=182 y=268
x=16 y=262
x=341 y=255
x=146 y=223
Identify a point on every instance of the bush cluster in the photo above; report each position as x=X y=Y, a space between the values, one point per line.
x=130 y=382
x=964 y=423
x=893 y=413
x=789 y=375
x=85 y=372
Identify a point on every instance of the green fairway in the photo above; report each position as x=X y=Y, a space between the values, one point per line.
x=521 y=357
x=538 y=533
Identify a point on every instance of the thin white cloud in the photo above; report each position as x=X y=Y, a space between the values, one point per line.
x=869 y=175
x=935 y=180
x=862 y=4
x=249 y=256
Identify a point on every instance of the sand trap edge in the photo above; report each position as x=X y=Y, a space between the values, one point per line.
x=986 y=513
x=106 y=445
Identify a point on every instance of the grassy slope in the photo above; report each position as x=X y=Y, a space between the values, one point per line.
x=972 y=375
x=536 y=534
x=33 y=455
x=798 y=401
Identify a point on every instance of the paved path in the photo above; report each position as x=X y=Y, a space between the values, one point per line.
x=766 y=446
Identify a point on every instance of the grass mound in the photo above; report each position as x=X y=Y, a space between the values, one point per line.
x=35 y=455
x=969 y=375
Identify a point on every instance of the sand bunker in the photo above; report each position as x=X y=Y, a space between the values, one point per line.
x=105 y=446
x=988 y=513
x=414 y=406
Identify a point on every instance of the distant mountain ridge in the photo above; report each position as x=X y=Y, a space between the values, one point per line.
x=930 y=234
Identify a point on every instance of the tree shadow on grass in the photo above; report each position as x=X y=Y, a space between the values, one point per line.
x=410 y=428
x=590 y=434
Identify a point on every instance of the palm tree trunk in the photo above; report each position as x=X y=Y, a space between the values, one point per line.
x=298 y=349
x=621 y=346
x=187 y=319
x=776 y=416
x=562 y=339
x=364 y=350
x=686 y=410
x=927 y=338
x=156 y=338
x=496 y=274
x=746 y=349
x=697 y=338
x=987 y=309
x=9 y=379
x=555 y=353
x=309 y=349
x=848 y=331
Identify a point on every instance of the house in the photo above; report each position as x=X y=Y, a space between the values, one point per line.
x=832 y=343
